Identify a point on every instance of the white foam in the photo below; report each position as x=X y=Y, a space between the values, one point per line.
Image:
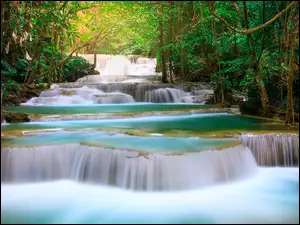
x=270 y=197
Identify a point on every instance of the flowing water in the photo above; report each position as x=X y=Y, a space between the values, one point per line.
x=126 y=65
x=270 y=197
x=120 y=147
x=274 y=149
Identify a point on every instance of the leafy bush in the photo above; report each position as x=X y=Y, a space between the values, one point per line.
x=6 y=69
x=78 y=65
x=9 y=85
x=21 y=67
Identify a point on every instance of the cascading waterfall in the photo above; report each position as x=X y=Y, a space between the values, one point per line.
x=116 y=69
x=273 y=149
x=83 y=95
x=144 y=67
x=115 y=93
x=158 y=164
x=101 y=60
x=117 y=65
x=138 y=89
x=127 y=169
x=168 y=95
x=111 y=79
x=122 y=80
x=102 y=79
x=123 y=65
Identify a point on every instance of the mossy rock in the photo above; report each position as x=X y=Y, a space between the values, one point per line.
x=15 y=117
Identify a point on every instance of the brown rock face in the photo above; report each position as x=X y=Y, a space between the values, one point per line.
x=15 y=117
x=20 y=95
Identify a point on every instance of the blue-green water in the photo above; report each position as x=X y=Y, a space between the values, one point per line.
x=202 y=123
x=271 y=196
x=122 y=141
x=106 y=108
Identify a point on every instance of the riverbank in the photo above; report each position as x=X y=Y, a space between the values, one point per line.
x=22 y=93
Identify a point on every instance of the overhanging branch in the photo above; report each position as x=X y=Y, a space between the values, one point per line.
x=249 y=31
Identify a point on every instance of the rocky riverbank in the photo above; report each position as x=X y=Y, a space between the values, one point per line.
x=21 y=94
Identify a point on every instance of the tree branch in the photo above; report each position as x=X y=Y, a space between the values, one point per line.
x=249 y=31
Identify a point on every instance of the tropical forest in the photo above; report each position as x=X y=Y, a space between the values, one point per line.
x=150 y=112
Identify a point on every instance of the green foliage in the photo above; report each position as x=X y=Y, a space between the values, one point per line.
x=77 y=64
x=199 y=46
x=21 y=67
x=9 y=85
x=6 y=69
x=41 y=85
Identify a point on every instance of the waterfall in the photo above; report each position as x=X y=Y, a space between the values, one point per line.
x=78 y=93
x=83 y=95
x=111 y=79
x=136 y=80
x=101 y=60
x=102 y=79
x=117 y=65
x=127 y=169
x=123 y=65
x=165 y=95
x=273 y=149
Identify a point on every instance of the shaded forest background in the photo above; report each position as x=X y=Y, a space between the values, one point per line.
x=250 y=47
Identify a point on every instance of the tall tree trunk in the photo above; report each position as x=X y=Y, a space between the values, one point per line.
x=182 y=50
x=255 y=66
x=170 y=67
x=61 y=67
x=2 y=25
x=292 y=33
x=162 y=55
x=170 y=40
x=171 y=71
